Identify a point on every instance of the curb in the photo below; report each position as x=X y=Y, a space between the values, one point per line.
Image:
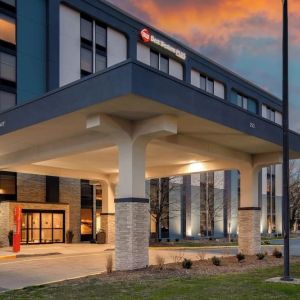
x=6 y=257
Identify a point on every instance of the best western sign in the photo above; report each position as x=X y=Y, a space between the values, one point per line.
x=147 y=37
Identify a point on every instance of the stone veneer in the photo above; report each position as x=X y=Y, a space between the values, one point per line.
x=4 y=223
x=249 y=238
x=70 y=192
x=108 y=225
x=132 y=235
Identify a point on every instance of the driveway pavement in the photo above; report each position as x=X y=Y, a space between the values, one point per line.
x=34 y=267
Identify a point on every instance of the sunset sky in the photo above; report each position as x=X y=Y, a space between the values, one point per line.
x=244 y=36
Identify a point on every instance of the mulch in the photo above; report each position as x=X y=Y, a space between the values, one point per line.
x=175 y=270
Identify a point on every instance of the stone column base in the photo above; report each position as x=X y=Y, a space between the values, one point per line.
x=132 y=233
x=108 y=225
x=249 y=238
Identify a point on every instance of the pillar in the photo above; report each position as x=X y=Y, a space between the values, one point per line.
x=249 y=238
x=108 y=211
x=132 y=208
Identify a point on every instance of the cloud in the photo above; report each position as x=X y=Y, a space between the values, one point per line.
x=243 y=35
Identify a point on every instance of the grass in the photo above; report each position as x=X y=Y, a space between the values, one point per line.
x=248 y=285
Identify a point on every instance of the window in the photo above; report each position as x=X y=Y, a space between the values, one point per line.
x=7 y=100
x=252 y=106
x=101 y=36
x=244 y=102
x=93 y=47
x=271 y=114
x=154 y=59
x=164 y=64
x=86 y=61
x=7 y=67
x=8 y=29
x=8 y=182
x=86 y=29
x=210 y=86
x=239 y=100
x=100 y=62
x=203 y=82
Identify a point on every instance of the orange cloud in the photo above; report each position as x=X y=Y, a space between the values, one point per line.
x=205 y=22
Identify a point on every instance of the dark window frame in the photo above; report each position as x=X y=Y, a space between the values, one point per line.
x=40 y=212
x=9 y=197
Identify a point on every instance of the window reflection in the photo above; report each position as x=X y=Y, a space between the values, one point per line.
x=7 y=29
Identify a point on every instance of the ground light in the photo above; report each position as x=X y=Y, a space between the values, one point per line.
x=285 y=164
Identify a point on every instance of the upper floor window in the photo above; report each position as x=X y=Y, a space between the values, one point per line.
x=208 y=84
x=101 y=39
x=86 y=28
x=8 y=186
x=7 y=67
x=244 y=102
x=271 y=114
x=154 y=59
x=7 y=29
x=7 y=100
x=93 y=47
x=164 y=64
x=159 y=61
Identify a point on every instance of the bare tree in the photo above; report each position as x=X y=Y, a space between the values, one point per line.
x=294 y=193
x=160 y=191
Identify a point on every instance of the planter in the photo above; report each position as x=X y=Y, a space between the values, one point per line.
x=69 y=237
x=10 y=237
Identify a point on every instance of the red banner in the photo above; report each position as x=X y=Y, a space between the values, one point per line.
x=17 y=228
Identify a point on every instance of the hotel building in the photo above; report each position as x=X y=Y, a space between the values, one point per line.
x=99 y=110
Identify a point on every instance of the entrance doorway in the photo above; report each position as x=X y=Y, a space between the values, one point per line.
x=43 y=227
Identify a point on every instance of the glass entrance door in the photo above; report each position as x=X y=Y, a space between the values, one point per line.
x=42 y=227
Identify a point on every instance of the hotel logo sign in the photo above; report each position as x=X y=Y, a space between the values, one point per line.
x=147 y=37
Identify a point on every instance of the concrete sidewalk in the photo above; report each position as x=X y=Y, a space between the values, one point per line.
x=54 y=249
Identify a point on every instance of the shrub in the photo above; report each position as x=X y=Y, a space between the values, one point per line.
x=240 y=257
x=277 y=253
x=187 y=263
x=176 y=240
x=10 y=237
x=160 y=261
x=109 y=263
x=216 y=261
x=260 y=256
x=266 y=242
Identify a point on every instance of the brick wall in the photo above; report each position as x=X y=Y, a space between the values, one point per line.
x=31 y=188
x=70 y=192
